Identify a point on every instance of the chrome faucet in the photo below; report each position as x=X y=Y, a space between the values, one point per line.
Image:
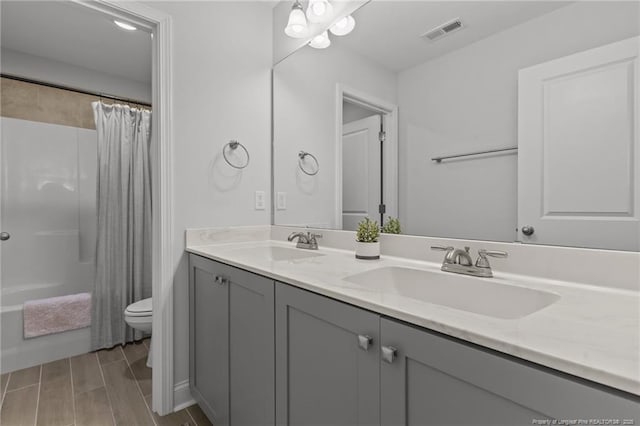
x=461 y=257
x=459 y=261
x=305 y=240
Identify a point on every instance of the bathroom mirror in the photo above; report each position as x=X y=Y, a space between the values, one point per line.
x=534 y=103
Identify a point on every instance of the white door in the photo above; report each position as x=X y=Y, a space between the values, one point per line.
x=360 y=171
x=579 y=155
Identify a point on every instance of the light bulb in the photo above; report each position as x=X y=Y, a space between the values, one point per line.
x=319 y=10
x=344 y=26
x=321 y=41
x=297 y=24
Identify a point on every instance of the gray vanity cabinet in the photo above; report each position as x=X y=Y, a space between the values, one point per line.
x=327 y=360
x=436 y=380
x=231 y=343
x=341 y=365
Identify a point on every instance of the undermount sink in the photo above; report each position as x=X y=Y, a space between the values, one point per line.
x=480 y=296
x=276 y=254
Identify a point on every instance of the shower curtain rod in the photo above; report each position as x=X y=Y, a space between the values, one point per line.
x=73 y=89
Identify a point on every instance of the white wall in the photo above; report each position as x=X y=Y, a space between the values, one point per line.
x=466 y=101
x=221 y=86
x=50 y=71
x=304 y=119
x=352 y=112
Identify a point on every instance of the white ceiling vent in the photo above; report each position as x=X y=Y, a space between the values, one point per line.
x=443 y=30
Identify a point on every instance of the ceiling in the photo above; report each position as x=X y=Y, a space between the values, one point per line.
x=388 y=32
x=67 y=32
x=76 y=35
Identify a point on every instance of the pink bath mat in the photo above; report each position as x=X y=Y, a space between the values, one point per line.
x=56 y=314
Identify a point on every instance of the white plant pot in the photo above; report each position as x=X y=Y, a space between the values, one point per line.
x=367 y=251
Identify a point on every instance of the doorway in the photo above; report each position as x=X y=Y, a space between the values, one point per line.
x=158 y=25
x=362 y=165
x=367 y=158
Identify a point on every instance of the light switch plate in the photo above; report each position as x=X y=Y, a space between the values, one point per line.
x=260 y=200
x=281 y=201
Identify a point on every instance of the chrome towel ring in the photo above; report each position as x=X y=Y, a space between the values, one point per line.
x=233 y=145
x=301 y=160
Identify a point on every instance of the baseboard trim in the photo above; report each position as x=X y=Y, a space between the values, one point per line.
x=182 y=396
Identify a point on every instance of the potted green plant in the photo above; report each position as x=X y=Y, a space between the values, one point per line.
x=367 y=244
x=392 y=226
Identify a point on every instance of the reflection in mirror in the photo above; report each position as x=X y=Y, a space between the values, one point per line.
x=543 y=94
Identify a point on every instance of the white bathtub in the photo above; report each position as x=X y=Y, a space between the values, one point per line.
x=18 y=352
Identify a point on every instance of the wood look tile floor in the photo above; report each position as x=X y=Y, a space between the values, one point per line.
x=105 y=388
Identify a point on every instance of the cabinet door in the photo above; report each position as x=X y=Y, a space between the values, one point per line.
x=323 y=376
x=209 y=337
x=436 y=380
x=251 y=349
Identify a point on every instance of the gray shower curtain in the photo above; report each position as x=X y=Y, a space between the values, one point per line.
x=123 y=247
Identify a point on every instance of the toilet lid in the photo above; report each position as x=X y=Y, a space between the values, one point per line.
x=143 y=307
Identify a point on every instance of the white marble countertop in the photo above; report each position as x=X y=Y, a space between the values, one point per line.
x=591 y=332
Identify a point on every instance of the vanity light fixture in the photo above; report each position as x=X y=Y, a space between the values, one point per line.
x=124 y=25
x=297 y=24
x=344 y=26
x=321 y=41
x=319 y=10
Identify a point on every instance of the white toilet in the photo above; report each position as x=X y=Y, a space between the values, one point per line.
x=139 y=316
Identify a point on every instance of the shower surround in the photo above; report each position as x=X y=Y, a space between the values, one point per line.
x=49 y=208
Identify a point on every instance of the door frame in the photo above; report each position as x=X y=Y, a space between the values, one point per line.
x=160 y=24
x=389 y=114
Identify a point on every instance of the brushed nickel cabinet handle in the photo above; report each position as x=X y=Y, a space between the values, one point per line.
x=364 y=341
x=389 y=354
